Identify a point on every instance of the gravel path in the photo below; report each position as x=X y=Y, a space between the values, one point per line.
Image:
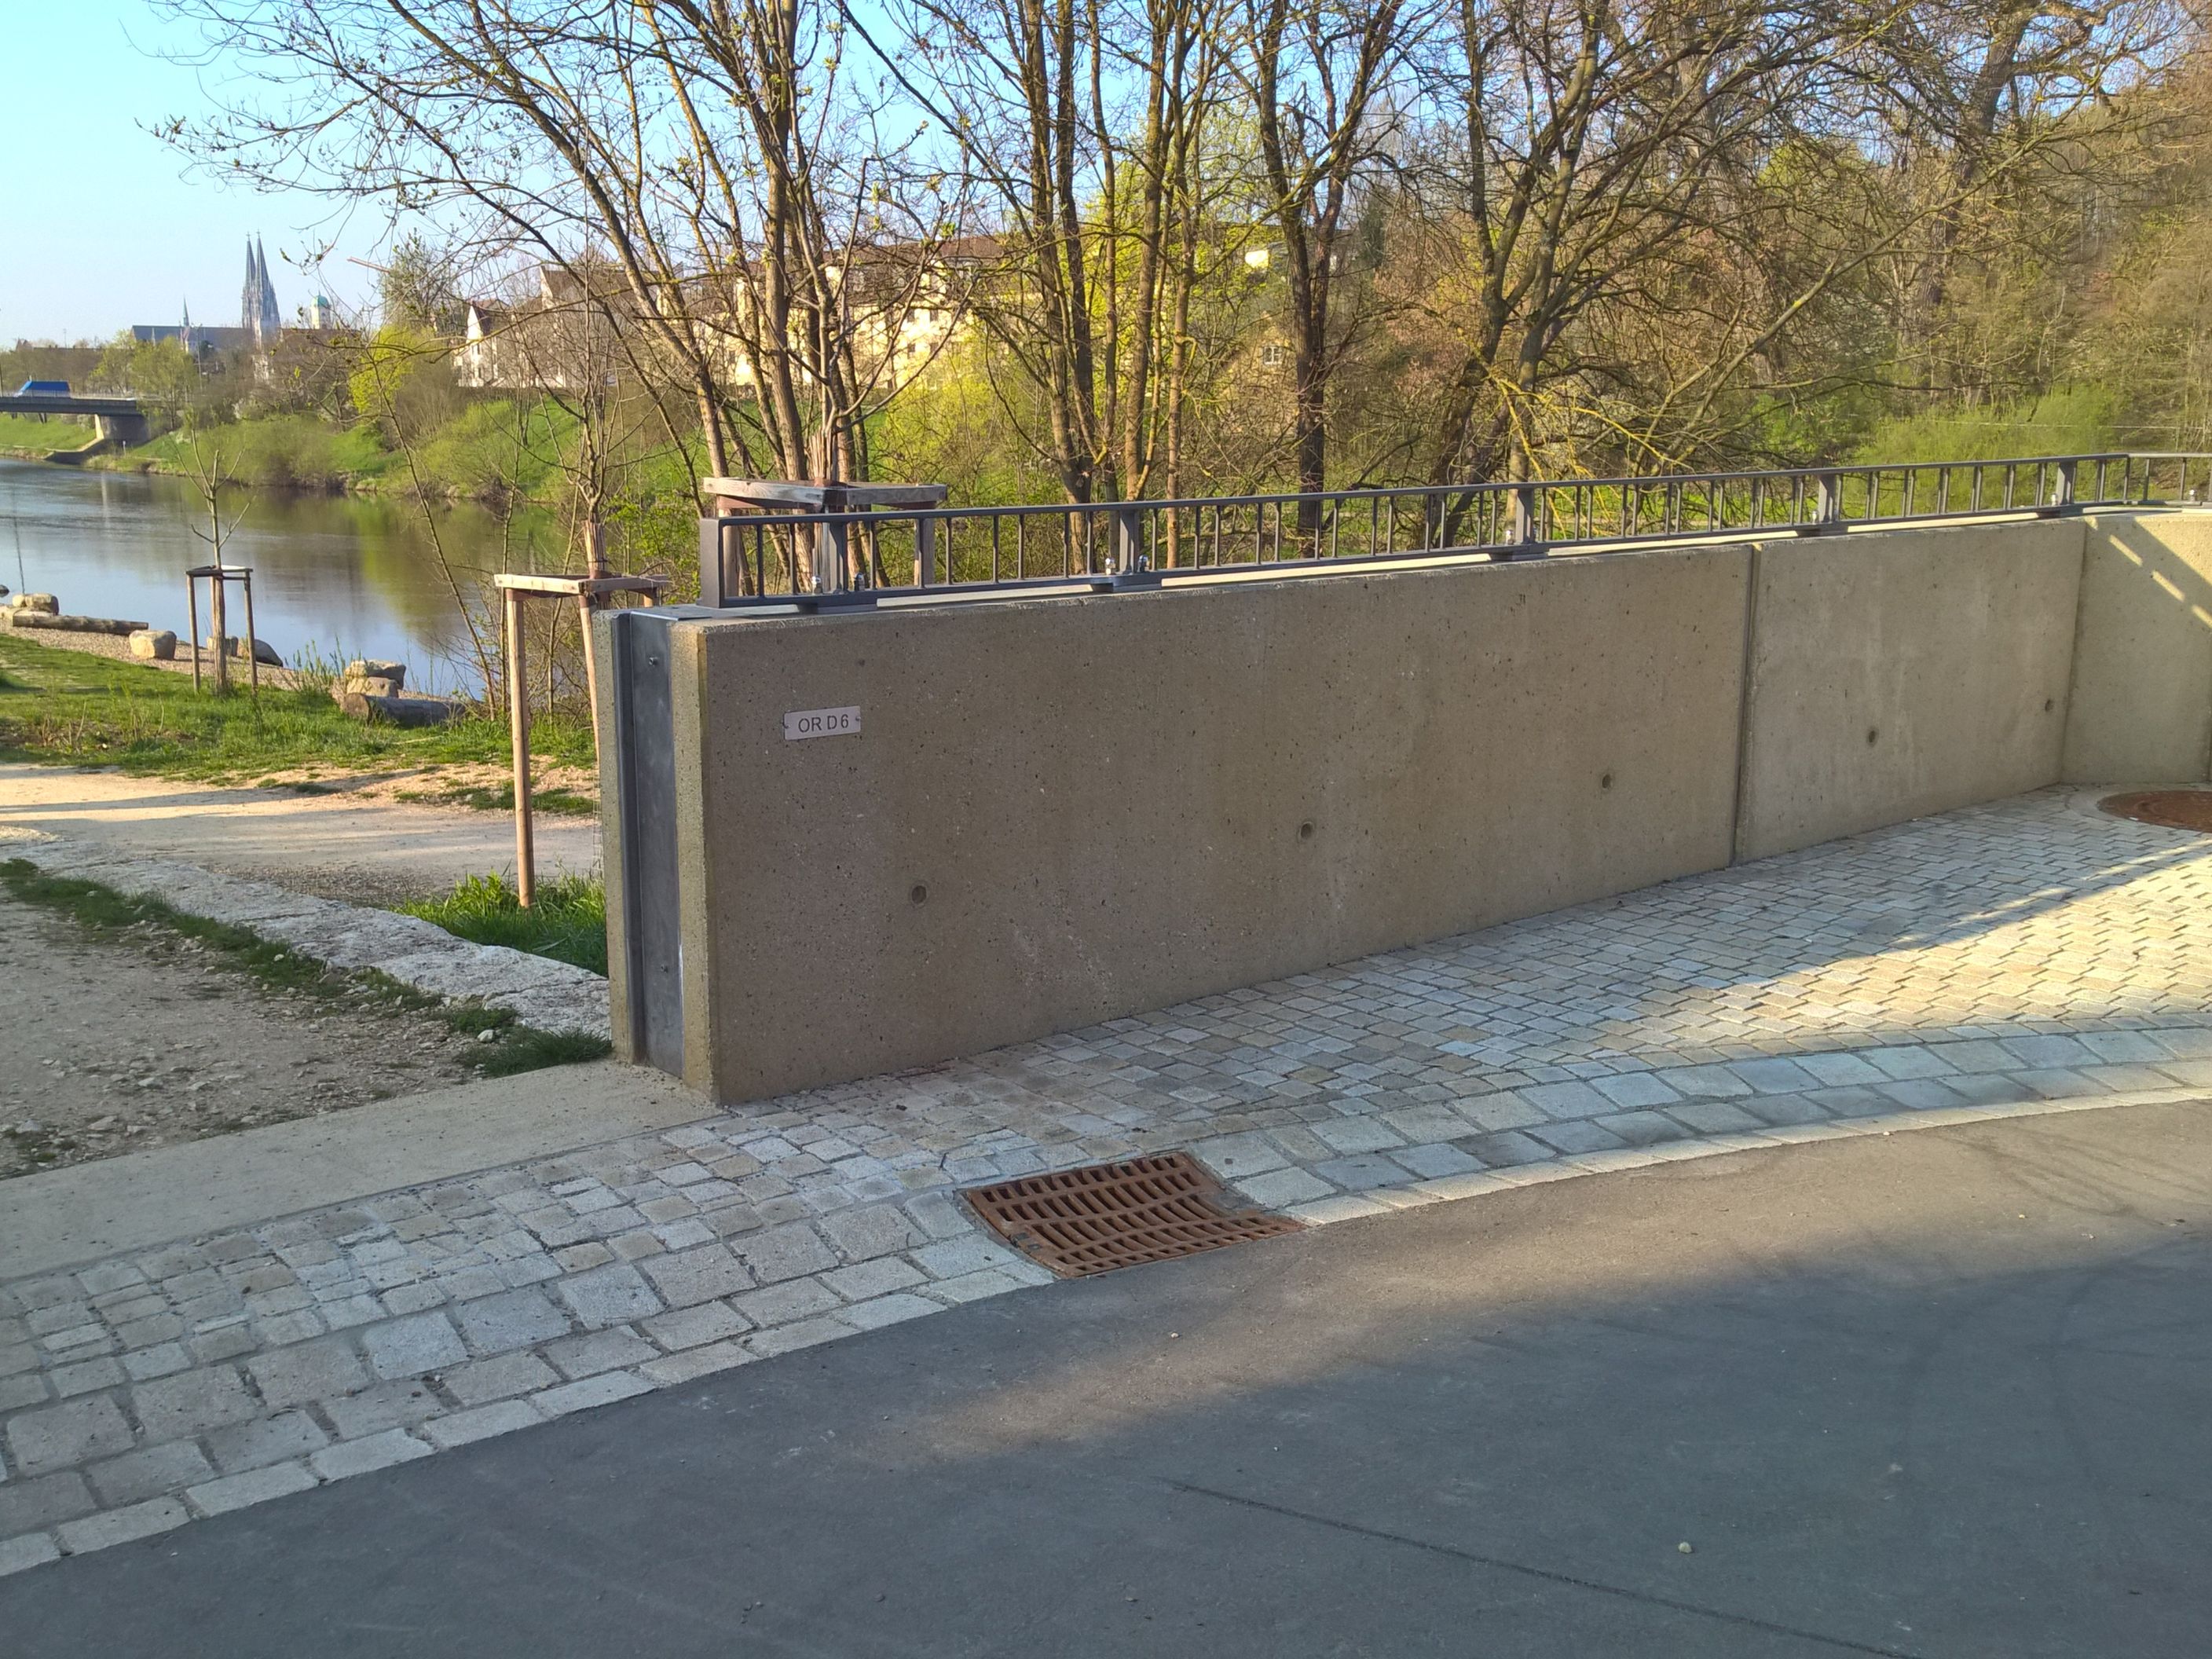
x=334 y=846
x=117 y=1045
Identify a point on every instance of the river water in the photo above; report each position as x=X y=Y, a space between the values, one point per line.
x=352 y=576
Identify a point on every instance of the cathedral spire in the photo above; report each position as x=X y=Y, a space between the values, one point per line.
x=259 y=314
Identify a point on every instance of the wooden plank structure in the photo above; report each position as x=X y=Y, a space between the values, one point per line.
x=730 y=500
x=587 y=593
x=218 y=578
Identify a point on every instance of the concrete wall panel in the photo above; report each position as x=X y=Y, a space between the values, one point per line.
x=2141 y=711
x=1903 y=672
x=1061 y=811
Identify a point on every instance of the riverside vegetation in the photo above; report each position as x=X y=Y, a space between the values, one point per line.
x=74 y=708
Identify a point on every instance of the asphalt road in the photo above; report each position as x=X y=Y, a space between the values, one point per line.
x=1943 y=1393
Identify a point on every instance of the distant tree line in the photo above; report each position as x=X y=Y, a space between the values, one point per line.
x=1100 y=249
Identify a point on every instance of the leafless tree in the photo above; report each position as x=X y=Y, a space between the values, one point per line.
x=1318 y=74
x=712 y=154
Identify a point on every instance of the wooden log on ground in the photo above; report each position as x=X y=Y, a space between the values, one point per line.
x=35 y=619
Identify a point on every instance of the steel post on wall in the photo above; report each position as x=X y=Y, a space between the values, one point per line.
x=714 y=532
x=1526 y=533
x=638 y=830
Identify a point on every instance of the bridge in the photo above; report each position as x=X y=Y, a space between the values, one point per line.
x=120 y=421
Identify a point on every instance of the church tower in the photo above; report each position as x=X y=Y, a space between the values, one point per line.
x=258 y=313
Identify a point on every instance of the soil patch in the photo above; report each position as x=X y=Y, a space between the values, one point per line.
x=569 y=791
x=112 y=1045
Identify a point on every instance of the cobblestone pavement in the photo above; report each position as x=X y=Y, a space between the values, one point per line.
x=2027 y=956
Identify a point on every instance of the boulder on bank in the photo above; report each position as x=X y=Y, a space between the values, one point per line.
x=375 y=668
x=394 y=710
x=235 y=645
x=45 y=603
x=365 y=686
x=153 y=644
x=37 y=619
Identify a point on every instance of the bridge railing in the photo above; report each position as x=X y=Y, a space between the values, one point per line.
x=859 y=557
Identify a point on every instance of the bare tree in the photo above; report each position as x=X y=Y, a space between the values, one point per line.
x=1318 y=74
x=709 y=154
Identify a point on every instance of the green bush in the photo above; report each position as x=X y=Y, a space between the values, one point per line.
x=2074 y=420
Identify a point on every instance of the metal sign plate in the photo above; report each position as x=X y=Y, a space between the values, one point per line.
x=821 y=723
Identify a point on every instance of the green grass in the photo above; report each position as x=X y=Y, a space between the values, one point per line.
x=568 y=923
x=71 y=708
x=277 y=452
x=28 y=431
x=104 y=912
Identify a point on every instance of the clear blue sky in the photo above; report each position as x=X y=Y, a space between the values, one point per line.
x=99 y=227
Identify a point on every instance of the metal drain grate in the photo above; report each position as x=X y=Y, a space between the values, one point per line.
x=1095 y=1219
x=2172 y=809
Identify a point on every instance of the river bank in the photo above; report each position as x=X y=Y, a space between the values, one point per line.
x=335 y=575
x=65 y=706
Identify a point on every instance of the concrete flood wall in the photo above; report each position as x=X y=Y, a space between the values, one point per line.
x=1898 y=674
x=1054 y=811
x=2142 y=703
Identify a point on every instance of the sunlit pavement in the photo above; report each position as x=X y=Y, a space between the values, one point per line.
x=2030 y=957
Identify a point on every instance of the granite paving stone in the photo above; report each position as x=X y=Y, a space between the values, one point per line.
x=29 y=1505
x=64 y=1436
x=509 y=1320
x=149 y=1472
x=370 y=1453
x=413 y=1346
x=698 y=1275
x=264 y=1440
x=293 y=1376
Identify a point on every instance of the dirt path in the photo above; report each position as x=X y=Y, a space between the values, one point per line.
x=339 y=845
x=110 y=1046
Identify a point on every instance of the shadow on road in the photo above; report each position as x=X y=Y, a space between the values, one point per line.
x=1941 y=1394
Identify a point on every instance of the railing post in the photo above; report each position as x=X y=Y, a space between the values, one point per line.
x=1524 y=521
x=2062 y=489
x=830 y=540
x=712 y=541
x=925 y=551
x=1829 y=514
x=1128 y=540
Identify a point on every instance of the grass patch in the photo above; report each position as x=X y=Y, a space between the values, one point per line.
x=102 y=911
x=562 y=802
x=530 y=1050
x=72 y=708
x=568 y=923
x=30 y=432
x=274 y=452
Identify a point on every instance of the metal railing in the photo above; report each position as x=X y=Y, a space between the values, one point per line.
x=817 y=559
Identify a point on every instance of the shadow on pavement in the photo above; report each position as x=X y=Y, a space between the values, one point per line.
x=1943 y=1394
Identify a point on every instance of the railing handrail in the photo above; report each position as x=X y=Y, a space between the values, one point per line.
x=1166 y=504
x=1509 y=518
